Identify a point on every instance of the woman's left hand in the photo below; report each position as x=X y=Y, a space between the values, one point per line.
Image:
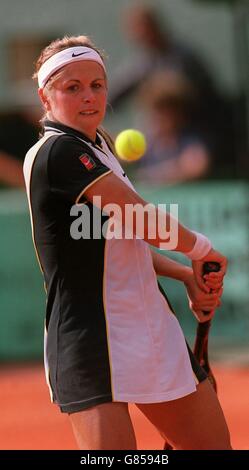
x=200 y=301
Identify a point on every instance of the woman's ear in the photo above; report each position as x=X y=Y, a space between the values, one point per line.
x=44 y=99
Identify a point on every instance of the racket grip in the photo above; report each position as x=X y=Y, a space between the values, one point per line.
x=209 y=267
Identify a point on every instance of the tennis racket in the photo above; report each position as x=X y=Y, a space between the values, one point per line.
x=201 y=340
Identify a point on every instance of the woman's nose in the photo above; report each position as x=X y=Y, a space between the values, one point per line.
x=88 y=96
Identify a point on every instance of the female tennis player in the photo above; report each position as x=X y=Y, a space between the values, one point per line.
x=111 y=337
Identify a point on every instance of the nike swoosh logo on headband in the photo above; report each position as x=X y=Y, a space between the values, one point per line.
x=81 y=53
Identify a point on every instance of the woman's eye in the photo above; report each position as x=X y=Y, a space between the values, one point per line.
x=73 y=88
x=97 y=85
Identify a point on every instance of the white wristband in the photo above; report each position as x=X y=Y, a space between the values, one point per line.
x=201 y=248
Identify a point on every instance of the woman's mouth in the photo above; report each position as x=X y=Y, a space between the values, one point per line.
x=88 y=113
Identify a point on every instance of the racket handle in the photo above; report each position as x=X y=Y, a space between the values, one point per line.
x=201 y=342
x=201 y=350
x=209 y=267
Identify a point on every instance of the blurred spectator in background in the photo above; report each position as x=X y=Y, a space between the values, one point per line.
x=157 y=50
x=175 y=153
x=10 y=171
x=18 y=131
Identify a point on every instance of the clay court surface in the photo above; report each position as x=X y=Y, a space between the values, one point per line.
x=30 y=421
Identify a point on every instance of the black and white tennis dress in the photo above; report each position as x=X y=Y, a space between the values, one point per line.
x=110 y=334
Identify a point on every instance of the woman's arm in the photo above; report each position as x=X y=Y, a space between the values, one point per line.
x=165 y=266
x=114 y=193
x=199 y=301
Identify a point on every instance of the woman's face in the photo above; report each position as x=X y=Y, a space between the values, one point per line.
x=78 y=97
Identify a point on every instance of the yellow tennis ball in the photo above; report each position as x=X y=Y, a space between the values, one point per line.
x=130 y=145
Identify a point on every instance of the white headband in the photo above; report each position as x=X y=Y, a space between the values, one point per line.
x=72 y=54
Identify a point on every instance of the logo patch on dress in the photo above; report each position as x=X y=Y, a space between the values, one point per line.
x=87 y=161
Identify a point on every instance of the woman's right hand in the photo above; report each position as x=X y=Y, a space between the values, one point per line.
x=213 y=281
